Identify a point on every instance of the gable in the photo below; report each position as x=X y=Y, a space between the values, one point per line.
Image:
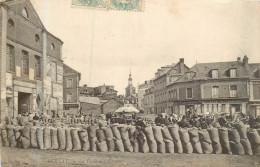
x=69 y=70
x=18 y=6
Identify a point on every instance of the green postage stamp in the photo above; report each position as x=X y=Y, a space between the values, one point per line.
x=125 y=5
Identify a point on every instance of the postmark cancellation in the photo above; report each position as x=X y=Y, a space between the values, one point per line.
x=123 y=5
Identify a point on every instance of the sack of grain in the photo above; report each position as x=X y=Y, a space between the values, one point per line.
x=166 y=134
x=254 y=139
x=83 y=136
x=178 y=147
x=102 y=146
x=92 y=130
x=197 y=148
x=237 y=148
x=33 y=134
x=149 y=133
x=233 y=135
x=111 y=145
x=47 y=138
x=213 y=133
x=75 y=139
x=127 y=145
x=169 y=146
x=62 y=138
x=205 y=141
x=195 y=141
x=119 y=145
x=26 y=130
x=187 y=147
x=247 y=146
x=174 y=131
x=184 y=135
x=116 y=132
x=101 y=135
x=54 y=139
x=224 y=140
x=68 y=139
x=144 y=146
x=25 y=142
x=206 y=147
x=124 y=132
x=93 y=144
x=108 y=133
x=39 y=138
x=157 y=131
x=11 y=135
x=152 y=145
x=131 y=132
x=185 y=139
x=204 y=136
x=25 y=139
x=241 y=128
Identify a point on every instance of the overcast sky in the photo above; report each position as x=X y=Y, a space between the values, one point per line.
x=104 y=45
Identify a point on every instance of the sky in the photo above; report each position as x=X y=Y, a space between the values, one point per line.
x=105 y=45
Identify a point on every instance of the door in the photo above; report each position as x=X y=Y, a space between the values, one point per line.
x=23 y=103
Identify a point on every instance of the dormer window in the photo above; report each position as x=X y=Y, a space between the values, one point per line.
x=232 y=73
x=214 y=73
x=25 y=13
x=256 y=73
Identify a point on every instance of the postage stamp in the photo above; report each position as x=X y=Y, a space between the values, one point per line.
x=124 y=5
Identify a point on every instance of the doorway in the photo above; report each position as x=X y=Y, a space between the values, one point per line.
x=23 y=103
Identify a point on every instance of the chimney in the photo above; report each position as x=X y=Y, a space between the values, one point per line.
x=181 y=65
x=245 y=61
x=85 y=87
x=238 y=59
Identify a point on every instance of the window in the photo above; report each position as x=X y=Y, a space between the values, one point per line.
x=25 y=63
x=215 y=91
x=37 y=38
x=233 y=73
x=10 y=58
x=189 y=93
x=233 y=91
x=52 y=46
x=69 y=83
x=69 y=97
x=37 y=67
x=10 y=23
x=25 y=13
x=175 y=93
x=214 y=73
x=175 y=71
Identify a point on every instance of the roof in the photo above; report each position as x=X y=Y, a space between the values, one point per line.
x=91 y=100
x=201 y=71
x=68 y=69
x=253 y=68
x=17 y=5
x=111 y=100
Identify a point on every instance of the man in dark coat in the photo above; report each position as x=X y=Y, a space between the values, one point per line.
x=184 y=123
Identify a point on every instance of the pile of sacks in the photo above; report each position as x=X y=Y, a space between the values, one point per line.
x=155 y=139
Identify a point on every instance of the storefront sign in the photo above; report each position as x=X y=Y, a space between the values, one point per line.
x=59 y=78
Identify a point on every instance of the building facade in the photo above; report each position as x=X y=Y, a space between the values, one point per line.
x=141 y=91
x=71 y=80
x=216 y=87
x=163 y=77
x=31 y=63
x=148 y=101
x=111 y=106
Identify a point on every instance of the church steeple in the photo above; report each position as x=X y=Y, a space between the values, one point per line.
x=130 y=79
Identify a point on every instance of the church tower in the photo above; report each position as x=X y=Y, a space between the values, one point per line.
x=130 y=89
